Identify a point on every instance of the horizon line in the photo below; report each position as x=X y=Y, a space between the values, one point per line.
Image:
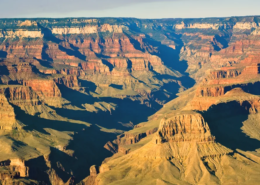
x=132 y=17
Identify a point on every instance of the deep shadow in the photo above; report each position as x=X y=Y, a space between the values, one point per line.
x=45 y=56
x=167 y=92
x=31 y=121
x=74 y=53
x=101 y=56
x=77 y=98
x=36 y=71
x=14 y=82
x=223 y=40
x=215 y=46
x=93 y=151
x=3 y=54
x=126 y=110
x=171 y=58
x=4 y=70
x=44 y=63
x=109 y=65
x=37 y=170
x=87 y=144
x=77 y=52
x=129 y=65
x=47 y=34
x=225 y=121
x=120 y=87
x=168 y=55
x=135 y=43
x=252 y=88
x=89 y=86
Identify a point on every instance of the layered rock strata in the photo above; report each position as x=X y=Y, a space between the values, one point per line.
x=7 y=116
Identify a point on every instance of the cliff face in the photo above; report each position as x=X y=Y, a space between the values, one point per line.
x=19 y=166
x=7 y=116
x=21 y=34
x=184 y=127
x=89 y=29
x=68 y=81
x=46 y=88
x=15 y=169
x=20 y=95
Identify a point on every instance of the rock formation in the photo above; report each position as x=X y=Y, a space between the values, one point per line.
x=184 y=127
x=7 y=116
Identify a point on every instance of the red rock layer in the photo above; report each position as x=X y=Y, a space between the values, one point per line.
x=43 y=88
x=23 y=48
x=16 y=70
x=116 y=50
x=20 y=95
x=68 y=81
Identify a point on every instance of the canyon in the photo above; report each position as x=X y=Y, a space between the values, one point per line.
x=130 y=101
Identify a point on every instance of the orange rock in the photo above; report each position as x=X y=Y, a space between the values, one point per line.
x=43 y=88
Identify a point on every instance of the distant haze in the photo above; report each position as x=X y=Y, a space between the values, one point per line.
x=128 y=8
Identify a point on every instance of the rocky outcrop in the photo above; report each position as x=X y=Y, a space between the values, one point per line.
x=27 y=23
x=20 y=95
x=19 y=166
x=14 y=169
x=16 y=72
x=90 y=180
x=245 y=25
x=113 y=148
x=129 y=138
x=43 y=88
x=132 y=138
x=183 y=25
x=184 y=127
x=68 y=81
x=47 y=90
x=20 y=33
x=210 y=91
x=201 y=103
x=256 y=32
x=7 y=116
x=217 y=74
x=251 y=71
x=89 y=29
x=95 y=67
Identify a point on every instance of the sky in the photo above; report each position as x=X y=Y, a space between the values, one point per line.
x=128 y=8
